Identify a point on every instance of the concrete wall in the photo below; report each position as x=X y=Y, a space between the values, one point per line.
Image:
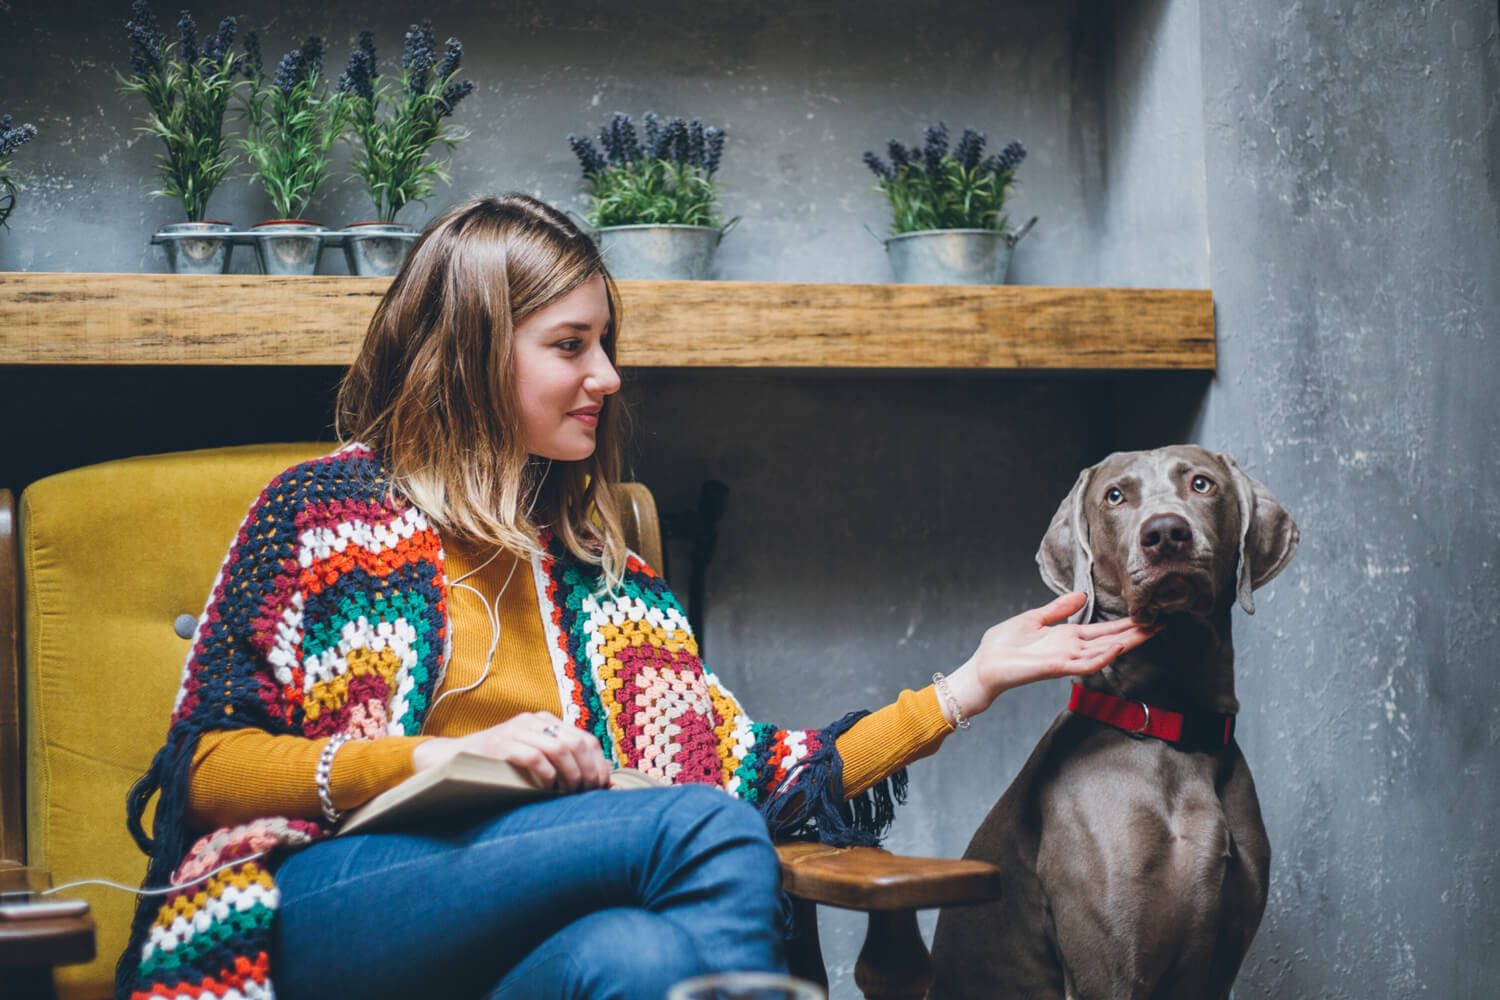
x=1352 y=153
x=1330 y=177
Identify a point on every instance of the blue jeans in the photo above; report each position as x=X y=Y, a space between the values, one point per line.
x=600 y=894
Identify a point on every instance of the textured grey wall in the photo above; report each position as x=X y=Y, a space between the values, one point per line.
x=1352 y=157
x=1330 y=176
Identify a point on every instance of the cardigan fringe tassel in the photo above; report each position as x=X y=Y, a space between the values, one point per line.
x=809 y=802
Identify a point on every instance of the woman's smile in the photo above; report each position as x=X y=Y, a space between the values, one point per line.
x=587 y=415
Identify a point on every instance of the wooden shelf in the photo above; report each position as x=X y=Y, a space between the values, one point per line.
x=166 y=319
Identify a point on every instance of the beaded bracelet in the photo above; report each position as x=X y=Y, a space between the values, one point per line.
x=946 y=693
x=325 y=771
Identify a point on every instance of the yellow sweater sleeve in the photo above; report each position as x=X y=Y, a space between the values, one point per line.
x=239 y=775
x=908 y=729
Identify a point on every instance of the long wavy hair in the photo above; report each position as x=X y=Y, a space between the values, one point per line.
x=432 y=389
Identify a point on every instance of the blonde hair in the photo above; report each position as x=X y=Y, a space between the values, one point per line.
x=431 y=387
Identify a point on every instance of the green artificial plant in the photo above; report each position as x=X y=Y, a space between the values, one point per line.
x=187 y=90
x=933 y=188
x=667 y=180
x=393 y=125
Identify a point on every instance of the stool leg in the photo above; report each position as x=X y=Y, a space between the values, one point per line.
x=29 y=982
x=804 y=955
x=894 y=963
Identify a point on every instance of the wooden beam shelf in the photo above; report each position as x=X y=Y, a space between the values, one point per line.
x=251 y=319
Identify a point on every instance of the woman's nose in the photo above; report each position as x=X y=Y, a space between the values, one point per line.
x=602 y=377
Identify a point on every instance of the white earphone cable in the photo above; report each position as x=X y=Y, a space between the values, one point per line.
x=152 y=892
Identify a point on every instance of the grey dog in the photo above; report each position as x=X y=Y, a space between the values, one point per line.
x=1133 y=866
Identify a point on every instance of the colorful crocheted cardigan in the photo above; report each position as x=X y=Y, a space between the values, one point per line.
x=329 y=616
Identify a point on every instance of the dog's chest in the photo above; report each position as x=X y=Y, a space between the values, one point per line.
x=1147 y=816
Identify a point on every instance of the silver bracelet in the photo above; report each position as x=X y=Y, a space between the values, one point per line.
x=946 y=693
x=325 y=772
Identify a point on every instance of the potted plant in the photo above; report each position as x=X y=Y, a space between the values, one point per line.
x=653 y=204
x=394 y=127
x=949 y=221
x=187 y=90
x=11 y=139
x=291 y=124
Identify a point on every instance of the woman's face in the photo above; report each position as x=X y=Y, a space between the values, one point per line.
x=562 y=373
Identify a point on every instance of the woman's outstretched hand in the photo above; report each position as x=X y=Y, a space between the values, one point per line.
x=1032 y=646
x=557 y=755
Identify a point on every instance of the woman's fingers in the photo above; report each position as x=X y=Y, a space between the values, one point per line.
x=1114 y=643
x=1130 y=638
x=1098 y=629
x=1099 y=660
x=1100 y=652
x=579 y=760
x=1060 y=609
x=569 y=771
x=600 y=771
x=533 y=761
x=593 y=769
x=557 y=755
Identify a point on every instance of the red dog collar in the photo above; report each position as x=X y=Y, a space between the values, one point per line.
x=1205 y=731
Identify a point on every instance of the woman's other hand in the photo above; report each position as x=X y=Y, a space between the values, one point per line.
x=558 y=756
x=1033 y=646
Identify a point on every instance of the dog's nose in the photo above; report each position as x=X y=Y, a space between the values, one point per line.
x=1166 y=535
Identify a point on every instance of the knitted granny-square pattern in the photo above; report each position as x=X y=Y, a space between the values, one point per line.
x=629 y=671
x=329 y=615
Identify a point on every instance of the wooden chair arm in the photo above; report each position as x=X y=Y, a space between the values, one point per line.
x=867 y=878
x=894 y=963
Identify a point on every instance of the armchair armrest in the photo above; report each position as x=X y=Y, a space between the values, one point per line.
x=894 y=961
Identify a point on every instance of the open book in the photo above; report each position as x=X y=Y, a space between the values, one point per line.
x=464 y=781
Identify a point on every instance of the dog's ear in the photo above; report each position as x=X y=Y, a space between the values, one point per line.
x=1065 y=558
x=1268 y=535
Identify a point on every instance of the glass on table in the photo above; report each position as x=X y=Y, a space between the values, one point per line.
x=746 y=986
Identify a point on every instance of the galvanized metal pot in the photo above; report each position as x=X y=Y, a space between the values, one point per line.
x=661 y=253
x=289 y=246
x=376 y=249
x=192 y=247
x=953 y=256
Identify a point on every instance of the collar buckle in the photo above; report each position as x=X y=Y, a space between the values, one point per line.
x=1140 y=732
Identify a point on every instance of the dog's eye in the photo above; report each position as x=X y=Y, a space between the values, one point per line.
x=1202 y=484
x=1114 y=497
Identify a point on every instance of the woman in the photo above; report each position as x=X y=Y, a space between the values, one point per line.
x=455 y=578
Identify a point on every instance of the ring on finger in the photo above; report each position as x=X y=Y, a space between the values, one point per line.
x=551 y=729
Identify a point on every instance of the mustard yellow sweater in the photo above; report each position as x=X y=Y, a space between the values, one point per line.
x=240 y=775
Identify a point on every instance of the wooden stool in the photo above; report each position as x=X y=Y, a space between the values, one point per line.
x=30 y=949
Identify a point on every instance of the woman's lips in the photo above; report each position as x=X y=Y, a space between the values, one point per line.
x=589 y=418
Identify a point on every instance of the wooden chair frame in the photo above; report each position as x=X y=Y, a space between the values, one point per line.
x=894 y=961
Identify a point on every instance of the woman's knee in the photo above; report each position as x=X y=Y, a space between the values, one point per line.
x=709 y=820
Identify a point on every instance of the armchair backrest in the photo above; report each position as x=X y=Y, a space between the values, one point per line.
x=110 y=557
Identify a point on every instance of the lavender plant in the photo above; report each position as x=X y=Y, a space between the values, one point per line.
x=292 y=122
x=931 y=187
x=394 y=125
x=11 y=139
x=667 y=180
x=187 y=90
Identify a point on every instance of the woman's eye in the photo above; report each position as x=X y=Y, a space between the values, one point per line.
x=1202 y=484
x=569 y=345
x=1114 y=497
